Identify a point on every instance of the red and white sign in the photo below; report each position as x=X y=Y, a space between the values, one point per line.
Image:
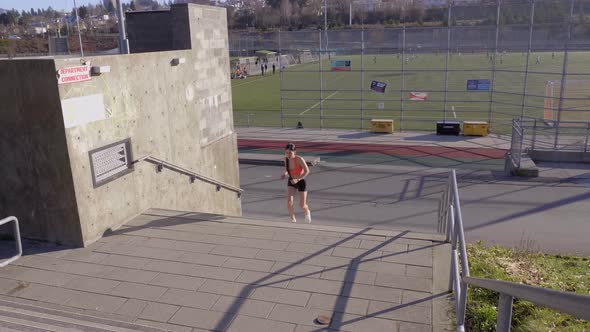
x=421 y=96
x=74 y=74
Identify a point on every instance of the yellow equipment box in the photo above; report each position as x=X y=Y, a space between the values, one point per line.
x=475 y=128
x=382 y=126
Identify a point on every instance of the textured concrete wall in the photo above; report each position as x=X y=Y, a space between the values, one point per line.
x=181 y=114
x=36 y=182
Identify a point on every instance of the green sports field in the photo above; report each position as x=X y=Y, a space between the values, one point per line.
x=257 y=99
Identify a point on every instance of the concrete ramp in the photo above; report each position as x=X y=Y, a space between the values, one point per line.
x=187 y=271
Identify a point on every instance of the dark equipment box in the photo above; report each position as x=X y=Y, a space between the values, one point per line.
x=448 y=127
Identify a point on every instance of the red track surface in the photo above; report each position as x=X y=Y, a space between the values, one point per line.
x=392 y=150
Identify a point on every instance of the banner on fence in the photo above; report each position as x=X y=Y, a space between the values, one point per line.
x=478 y=85
x=420 y=96
x=340 y=65
x=378 y=86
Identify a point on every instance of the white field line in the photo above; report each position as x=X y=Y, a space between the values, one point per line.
x=319 y=102
x=256 y=80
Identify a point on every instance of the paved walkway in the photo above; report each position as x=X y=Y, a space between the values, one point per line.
x=195 y=272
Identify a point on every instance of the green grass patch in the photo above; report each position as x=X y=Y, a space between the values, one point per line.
x=564 y=273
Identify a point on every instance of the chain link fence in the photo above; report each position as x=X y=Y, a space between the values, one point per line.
x=482 y=62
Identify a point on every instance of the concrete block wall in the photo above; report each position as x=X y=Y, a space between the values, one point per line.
x=181 y=114
x=36 y=183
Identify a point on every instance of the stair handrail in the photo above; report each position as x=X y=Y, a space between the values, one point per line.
x=161 y=164
x=19 y=245
x=450 y=221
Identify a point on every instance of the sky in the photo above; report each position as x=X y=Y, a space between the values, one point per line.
x=55 y=4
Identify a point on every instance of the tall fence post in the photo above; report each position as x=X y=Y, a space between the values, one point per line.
x=402 y=86
x=528 y=55
x=362 y=76
x=504 y=313
x=493 y=85
x=321 y=87
x=564 y=72
x=281 y=82
x=534 y=139
x=587 y=134
x=447 y=61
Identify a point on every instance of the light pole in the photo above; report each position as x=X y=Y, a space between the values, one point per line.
x=123 y=42
x=78 y=24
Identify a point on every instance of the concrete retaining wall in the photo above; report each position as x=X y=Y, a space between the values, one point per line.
x=181 y=114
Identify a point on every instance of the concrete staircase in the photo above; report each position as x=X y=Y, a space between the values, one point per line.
x=18 y=316
x=185 y=271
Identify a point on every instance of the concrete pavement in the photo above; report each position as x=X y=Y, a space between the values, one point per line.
x=395 y=182
x=194 y=272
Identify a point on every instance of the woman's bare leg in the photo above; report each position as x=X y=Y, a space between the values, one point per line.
x=303 y=205
x=290 y=194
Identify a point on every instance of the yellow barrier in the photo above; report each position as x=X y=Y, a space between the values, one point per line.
x=475 y=128
x=382 y=126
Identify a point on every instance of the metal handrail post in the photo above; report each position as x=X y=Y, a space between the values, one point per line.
x=504 y=313
x=454 y=268
x=459 y=226
x=19 y=245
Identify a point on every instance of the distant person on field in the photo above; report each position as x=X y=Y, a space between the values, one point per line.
x=538 y=59
x=375 y=59
x=262 y=69
x=296 y=170
x=265 y=67
x=273 y=68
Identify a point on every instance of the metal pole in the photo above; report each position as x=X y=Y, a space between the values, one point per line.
x=350 y=14
x=504 y=313
x=564 y=72
x=534 y=135
x=123 y=42
x=587 y=134
x=362 y=76
x=78 y=24
x=447 y=62
x=494 y=65
x=321 y=87
x=326 y=23
x=281 y=81
x=402 y=87
x=526 y=69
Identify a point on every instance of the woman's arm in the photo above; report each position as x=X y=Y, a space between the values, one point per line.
x=285 y=173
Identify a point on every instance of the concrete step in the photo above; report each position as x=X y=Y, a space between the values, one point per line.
x=17 y=316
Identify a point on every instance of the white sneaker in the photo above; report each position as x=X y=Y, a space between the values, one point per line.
x=308 y=218
x=293 y=220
